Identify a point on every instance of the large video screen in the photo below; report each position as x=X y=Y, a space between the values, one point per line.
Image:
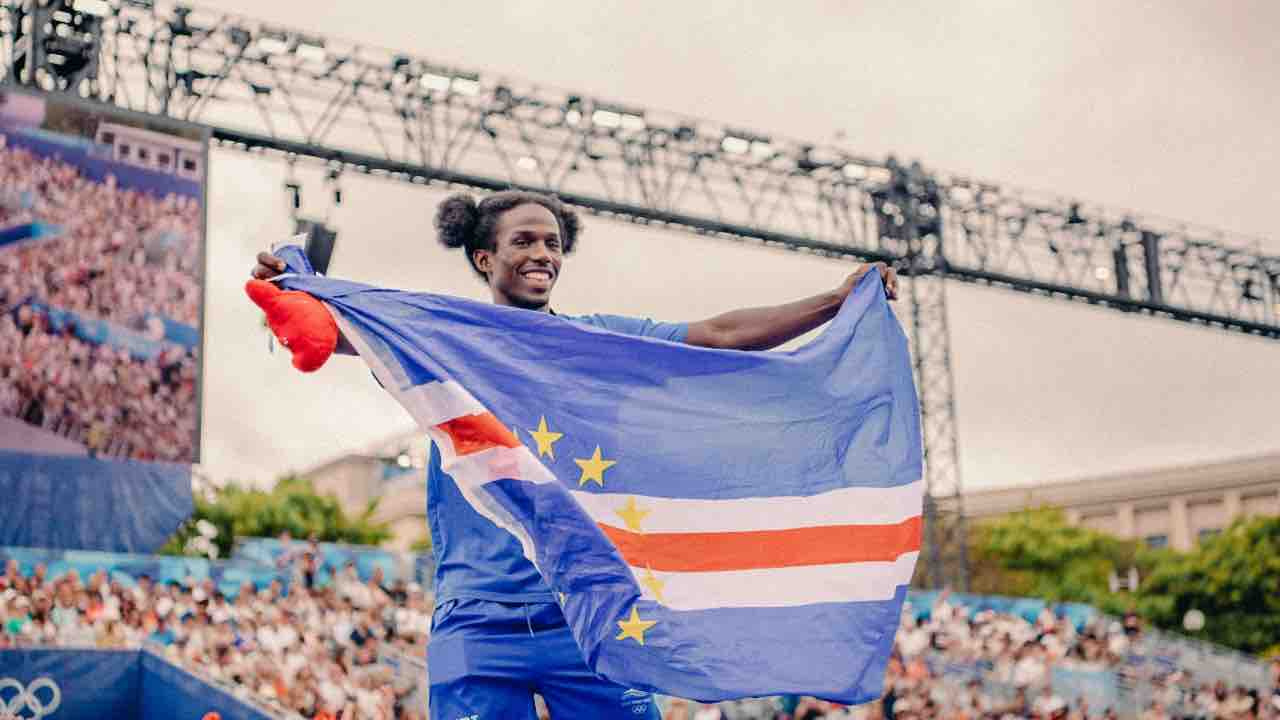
x=102 y=223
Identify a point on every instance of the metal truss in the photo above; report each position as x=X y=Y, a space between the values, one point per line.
x=284 y=93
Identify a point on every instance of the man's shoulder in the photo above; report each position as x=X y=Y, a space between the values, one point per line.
x=639 y=326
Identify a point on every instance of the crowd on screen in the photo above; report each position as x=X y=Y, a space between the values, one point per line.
x=122 y=256
x=312 y=652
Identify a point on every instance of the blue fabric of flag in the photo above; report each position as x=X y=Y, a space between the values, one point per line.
x=680 y=422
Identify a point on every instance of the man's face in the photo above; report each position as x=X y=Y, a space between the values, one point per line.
x=525 y=263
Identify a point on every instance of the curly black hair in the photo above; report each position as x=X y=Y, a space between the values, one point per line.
x=461 y=222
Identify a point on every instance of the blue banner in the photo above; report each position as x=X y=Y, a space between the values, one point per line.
x=28 y=231
x=101 y=332
x=79 y=503
x=333 y=557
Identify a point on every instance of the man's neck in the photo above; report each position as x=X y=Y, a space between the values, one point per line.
x=507 y=302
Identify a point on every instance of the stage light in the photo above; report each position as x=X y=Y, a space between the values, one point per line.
x=573 y=117
x=432 y=81
x=606 y=119
x=527 y=163
x=273 y=42
x=99 y=8
x=404 y=461
x=735 y=145
x=879 y=175
x=737 y=142
x=1101 y=273
x=854 y=171
x=466 y=85
x=616 y=116
x=311 y=49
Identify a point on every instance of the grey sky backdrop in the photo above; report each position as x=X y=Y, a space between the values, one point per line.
x=1168 y=108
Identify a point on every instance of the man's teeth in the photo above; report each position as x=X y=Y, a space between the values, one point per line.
x=543 y=274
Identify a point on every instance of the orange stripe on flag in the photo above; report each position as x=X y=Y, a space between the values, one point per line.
x=473 y=433
x=762 y=549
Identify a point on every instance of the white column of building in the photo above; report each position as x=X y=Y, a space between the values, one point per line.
x=1232 y=505
x=1179 y=525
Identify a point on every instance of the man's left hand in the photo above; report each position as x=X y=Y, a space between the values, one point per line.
x=888 y=276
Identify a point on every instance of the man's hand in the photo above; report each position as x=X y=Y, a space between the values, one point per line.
x=887 y=274
x=268 y=266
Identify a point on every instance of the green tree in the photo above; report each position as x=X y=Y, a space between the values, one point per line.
x=1037 y=553
x=292 y=505
x=1233 y=578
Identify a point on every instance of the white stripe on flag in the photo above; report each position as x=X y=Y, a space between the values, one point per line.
x=437 y=402
x=846 y=506
x=478 y=468
x=779 y=587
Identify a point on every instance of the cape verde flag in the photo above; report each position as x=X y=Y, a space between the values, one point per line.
x=717 y=524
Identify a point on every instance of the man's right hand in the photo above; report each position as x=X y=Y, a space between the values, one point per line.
x=268 y=266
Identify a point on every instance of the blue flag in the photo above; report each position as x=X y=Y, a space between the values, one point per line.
x=716 y=524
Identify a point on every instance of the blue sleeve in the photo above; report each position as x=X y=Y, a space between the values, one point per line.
x=644 y=327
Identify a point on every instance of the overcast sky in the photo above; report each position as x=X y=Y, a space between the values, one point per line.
x=1168 y=108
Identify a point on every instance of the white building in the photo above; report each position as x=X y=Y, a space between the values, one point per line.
x=1168 y=507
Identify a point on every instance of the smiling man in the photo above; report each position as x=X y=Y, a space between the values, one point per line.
x=498 y=634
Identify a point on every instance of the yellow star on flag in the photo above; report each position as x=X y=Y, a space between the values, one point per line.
x=633 y=627
x=632 y=514
x=545 y=438
x=593 y=468
x=653 y=584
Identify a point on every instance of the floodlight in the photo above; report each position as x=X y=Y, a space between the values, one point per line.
x=606 y=118
x=311 y=49
x=100 y=8
x=432 y=81
x=466 y=85
x=735 y=145
x=273 y=42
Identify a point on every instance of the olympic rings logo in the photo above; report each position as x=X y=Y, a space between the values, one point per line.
x=29 y=698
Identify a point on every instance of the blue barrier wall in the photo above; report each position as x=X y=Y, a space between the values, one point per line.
x=169 y=692
x=58 y=501
x=228 y=575
x=69 y=685
x=95 y=684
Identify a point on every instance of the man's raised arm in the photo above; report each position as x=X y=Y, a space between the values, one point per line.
x=763 y=328
x=270 y=266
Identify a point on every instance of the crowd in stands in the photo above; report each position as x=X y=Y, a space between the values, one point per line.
x=313 y=651
x=931 y=675
x=123 y=256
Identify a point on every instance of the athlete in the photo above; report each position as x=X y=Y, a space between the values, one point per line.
x=497 y=633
